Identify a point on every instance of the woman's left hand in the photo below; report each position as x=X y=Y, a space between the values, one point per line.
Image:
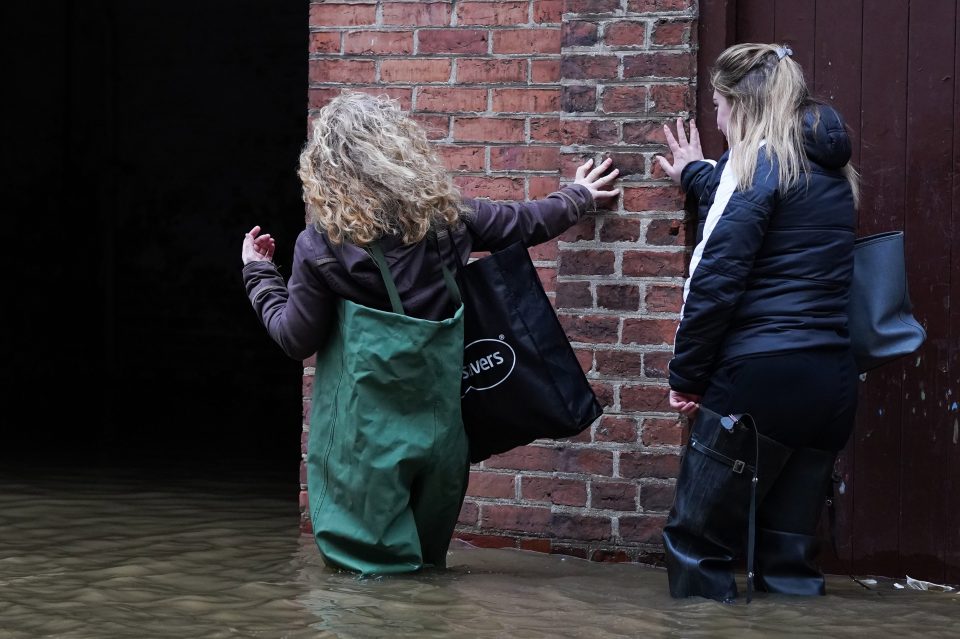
x=685 y=403
x=256 y=247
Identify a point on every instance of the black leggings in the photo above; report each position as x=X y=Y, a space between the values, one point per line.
x=803 y=399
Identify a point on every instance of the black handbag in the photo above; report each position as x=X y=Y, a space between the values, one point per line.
x=882 y=326
x=521 y=379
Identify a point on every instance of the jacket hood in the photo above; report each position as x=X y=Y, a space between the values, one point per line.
x=825 y=138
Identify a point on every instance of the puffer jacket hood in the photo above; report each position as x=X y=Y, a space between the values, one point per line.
x=825 y=138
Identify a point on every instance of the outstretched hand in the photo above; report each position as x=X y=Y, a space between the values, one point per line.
x=256 y=247
x=598 y=179
x=684 y=151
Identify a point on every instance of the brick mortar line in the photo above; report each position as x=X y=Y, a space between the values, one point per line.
x=614 y=247
x=630 y=381
x=566 y=476
x=623 y=50
x=562 y=509
x=578 y=247
x=640 y=216
x=547 y=444
x=603 y=512
x=637 y=349
x=602 y=23
x=497 y=173
x=627 y=279
x=597 y=310
x=435 y=56
x=631 y=82
x=613 y=544
x=611 y=447
x=404 y=84
x=602 y=311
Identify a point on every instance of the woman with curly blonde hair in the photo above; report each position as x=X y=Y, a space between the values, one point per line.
x=370 y=294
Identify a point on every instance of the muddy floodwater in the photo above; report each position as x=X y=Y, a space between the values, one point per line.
x=123 y=554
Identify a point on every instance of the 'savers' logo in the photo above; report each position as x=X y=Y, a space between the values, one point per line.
x=486 y=363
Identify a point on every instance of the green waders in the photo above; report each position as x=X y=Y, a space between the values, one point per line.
x=387 y=454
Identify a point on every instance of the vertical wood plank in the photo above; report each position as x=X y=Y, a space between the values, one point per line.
x=952 y=396
x=755 y=20
x=836 y=71
x=874 y=530
x=837 y=61
x=794 y=22
x=926 y=427
x=717 y=29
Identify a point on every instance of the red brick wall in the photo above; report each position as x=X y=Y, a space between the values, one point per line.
x=516 y=93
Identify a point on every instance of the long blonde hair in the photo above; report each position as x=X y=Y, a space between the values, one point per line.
x=369 y=171
x=767 y=95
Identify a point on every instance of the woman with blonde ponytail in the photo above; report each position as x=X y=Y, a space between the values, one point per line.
x=762 y=360
x=371 y=294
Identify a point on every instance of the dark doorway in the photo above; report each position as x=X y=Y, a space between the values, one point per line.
x=142 y=140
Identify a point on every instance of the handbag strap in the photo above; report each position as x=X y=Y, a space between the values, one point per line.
x=752 y=525
x=831 y=499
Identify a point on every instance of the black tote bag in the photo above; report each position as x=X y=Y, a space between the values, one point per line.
x=882 y=326
x=521 y=379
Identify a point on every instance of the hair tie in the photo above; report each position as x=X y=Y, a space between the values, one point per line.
x=782 y=52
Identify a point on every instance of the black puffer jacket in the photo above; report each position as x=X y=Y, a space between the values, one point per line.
x=771 y=271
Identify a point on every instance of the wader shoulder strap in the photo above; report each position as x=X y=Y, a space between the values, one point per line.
x=377 y=254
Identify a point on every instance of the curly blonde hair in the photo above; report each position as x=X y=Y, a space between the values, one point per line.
x=368 y=171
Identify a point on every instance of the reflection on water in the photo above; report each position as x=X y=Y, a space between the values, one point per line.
x=83 y=555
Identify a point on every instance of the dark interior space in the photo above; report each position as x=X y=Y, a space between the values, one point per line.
x=141 y=140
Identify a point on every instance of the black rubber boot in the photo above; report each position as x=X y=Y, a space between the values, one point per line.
x=707 y=527
x=787 y=544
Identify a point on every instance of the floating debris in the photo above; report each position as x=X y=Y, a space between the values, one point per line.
x=909 y=583
x=918 y=584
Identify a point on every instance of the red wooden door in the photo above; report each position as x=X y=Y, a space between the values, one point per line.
x=891 y=67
